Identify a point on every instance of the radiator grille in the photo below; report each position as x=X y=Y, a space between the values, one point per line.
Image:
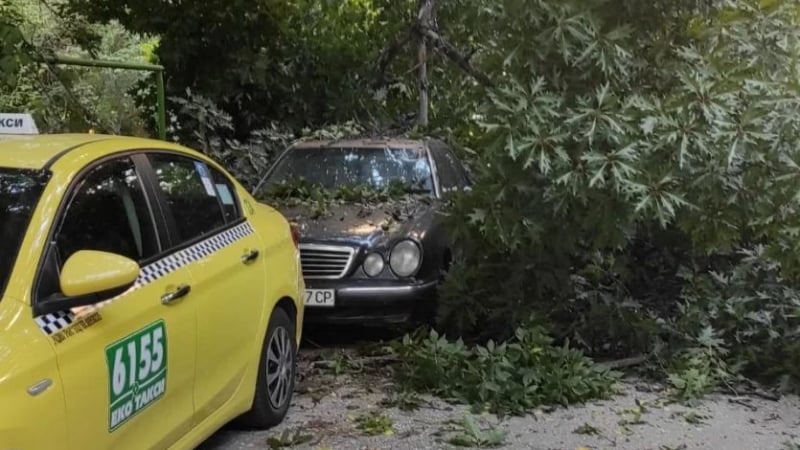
x=326 y=261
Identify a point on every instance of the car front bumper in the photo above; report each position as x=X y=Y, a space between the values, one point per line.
x=372 y=302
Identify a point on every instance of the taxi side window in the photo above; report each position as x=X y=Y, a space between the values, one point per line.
x=227 y=195
x=189 y=189
x=107 y=211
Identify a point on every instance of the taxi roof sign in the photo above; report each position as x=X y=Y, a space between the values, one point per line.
x=17 y=124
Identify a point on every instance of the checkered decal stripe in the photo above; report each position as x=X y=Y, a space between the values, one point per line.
x=51 y=323
x=192 y=254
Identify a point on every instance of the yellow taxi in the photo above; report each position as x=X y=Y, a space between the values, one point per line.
x=146 y=299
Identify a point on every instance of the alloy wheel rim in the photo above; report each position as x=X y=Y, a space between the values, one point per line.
x=279 y=368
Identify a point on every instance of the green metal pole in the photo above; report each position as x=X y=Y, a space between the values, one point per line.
x=161 y=120
x=162 y=115
x=89 y=62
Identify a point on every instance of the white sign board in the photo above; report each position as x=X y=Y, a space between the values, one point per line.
x=16 y=124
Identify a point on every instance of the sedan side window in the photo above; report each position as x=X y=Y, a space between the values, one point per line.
x=458 y=168
x=450 y=178
x=189 y=189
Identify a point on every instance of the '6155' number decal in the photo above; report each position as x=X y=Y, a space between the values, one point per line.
x=137 y=372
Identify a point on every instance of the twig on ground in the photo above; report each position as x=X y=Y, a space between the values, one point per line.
x=312 y=343
x=743 y=402
x=625 y=362
x=765 y=395
x=356 y=361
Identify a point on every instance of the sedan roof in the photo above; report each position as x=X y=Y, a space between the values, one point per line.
x=362 y=143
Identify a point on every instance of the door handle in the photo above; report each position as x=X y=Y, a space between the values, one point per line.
x=250 y=256
x=40 y=387
x=171 y=297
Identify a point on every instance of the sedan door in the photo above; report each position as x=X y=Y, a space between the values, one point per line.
x=127 y=365
x=229 y=273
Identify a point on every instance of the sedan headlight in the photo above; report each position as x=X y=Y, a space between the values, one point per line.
x=373 y=264
x=405 y=258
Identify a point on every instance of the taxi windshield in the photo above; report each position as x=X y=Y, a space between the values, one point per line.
x=19 y=192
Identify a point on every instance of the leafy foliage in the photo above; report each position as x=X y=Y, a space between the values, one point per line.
x=398 y=200
x=375 y=424
x=513 y=377
x=587 y=429
x=635 y=163
x=402 y=400
x=791 y=445
x=469 y=434
x=289 y=438
x=199 y=123
x=614 y=162
x=741 y=319
x=633 y=415
x=12 y=54
x=303 y=63
x=66 y=98
x=299 y=189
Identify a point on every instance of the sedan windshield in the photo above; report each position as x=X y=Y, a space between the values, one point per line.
x=19 y=193
x=335 y=167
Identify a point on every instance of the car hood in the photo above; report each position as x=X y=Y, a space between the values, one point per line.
x=371 y=225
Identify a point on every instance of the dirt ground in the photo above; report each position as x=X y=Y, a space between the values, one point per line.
x=328 y=403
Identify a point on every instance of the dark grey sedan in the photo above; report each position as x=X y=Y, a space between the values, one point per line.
x=376 y=262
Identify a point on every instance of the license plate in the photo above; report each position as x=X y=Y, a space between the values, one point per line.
x=320 y=297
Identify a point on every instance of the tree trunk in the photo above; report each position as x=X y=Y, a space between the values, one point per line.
x=422 y=55
x=424 y=20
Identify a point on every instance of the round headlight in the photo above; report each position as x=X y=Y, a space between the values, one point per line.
x=405 y=258
x=373 y=264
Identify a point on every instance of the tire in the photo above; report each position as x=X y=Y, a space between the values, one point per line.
x=276 y=374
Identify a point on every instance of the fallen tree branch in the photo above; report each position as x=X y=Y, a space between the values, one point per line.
x=462 y=61
x=764 y=394
x=742 y=402
x=625 y=362
x=359 y=362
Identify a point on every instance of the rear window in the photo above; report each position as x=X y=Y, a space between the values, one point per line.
x=19 y=193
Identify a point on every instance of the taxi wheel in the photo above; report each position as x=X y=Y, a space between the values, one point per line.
x=276 y=374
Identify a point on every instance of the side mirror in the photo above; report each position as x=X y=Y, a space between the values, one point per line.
x=90 y=277
x=92 y=272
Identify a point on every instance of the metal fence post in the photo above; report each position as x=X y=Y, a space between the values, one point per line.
x=161 y=119
x=162 y=115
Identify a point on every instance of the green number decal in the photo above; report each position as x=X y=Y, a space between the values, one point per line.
x=137 y=372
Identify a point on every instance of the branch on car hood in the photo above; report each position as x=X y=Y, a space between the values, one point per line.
x=398 y=201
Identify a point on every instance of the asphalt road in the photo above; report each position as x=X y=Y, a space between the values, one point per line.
x=717 y=423
x=326 y=406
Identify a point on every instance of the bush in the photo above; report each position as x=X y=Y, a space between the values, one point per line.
x=200 y=124
x=745 y=319
x=513 y=377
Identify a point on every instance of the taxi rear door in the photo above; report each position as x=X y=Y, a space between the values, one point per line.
x=126 y=366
